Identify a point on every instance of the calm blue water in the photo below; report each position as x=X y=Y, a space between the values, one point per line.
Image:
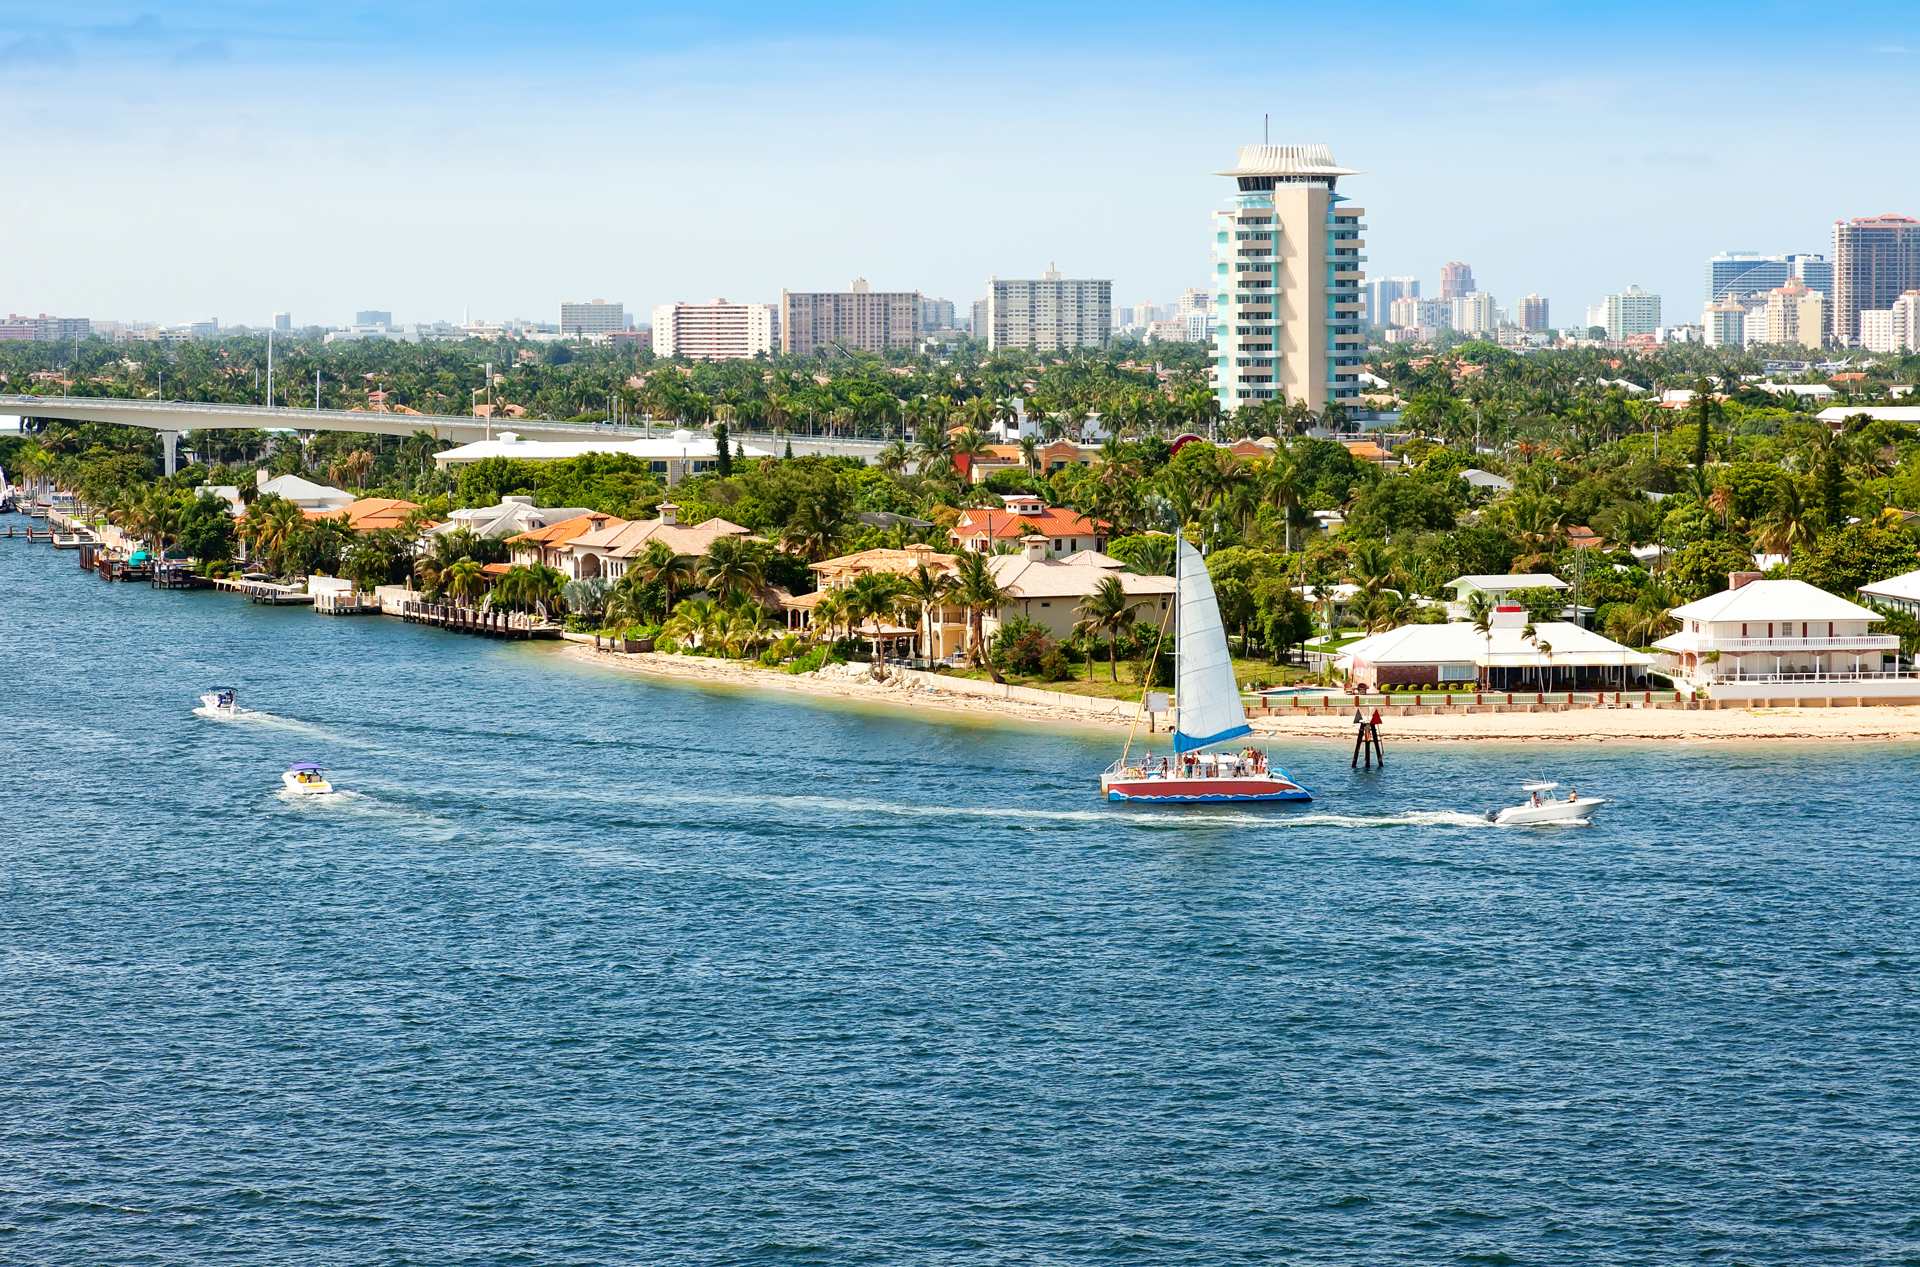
x=586 y=969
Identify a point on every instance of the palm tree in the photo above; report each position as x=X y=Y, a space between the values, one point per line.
x=928 y=588
x=869 y=598
x=732 y=566
x=587 y=597
x=1480 y=612
x=817 y=522
x=979 y=593
x=693 y=622
x=1109 y=608
x=533 y=585
x=1790 y=525
x=743 y=629
x=659 y=564
x=1030 y=451
x=1153 y=556
x=466 y=580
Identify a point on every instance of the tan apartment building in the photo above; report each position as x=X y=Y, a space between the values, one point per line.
x=1286 y=265
x=860 y=319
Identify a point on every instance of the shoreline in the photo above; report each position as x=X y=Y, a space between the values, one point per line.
x=1595 y=725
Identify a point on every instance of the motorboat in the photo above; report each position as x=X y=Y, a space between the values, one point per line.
x=218 y=702
x=1542 y=807
x=307 y=779
x=1207 y=713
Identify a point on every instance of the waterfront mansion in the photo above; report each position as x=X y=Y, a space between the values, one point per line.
x=1761 y=639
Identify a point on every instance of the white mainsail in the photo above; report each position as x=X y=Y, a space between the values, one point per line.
x=1206 y=697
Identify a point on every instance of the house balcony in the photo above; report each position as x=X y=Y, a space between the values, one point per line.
x=1700 y=644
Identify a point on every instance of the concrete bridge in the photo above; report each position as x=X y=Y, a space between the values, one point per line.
x=171 y=417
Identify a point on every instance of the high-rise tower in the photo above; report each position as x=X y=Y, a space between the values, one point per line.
x=1286 y=281
x=1875 y=261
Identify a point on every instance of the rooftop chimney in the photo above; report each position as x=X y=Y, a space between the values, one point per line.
x=1035 y=547
x=669 y=513
x=1736 y=579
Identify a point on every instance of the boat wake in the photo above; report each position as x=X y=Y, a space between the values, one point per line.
x=1151 y=817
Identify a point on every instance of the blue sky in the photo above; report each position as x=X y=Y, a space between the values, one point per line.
x=232 y=159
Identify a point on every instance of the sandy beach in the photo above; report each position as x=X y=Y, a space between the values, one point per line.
x=1589 y=725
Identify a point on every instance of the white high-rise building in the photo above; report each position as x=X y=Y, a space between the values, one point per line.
x=1379 y=293
x=598 y=317
x=1048 y=313
x=1475 y=313
x=1286 y=265
x=1632 y=311
x=1905 y=322
x=1725 y=325
x=1410 y=311
x=718 y=331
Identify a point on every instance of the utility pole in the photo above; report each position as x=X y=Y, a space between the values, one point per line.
x=269 y=369
x=490 y=398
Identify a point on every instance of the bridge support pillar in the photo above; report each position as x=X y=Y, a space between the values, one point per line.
x=170 y=442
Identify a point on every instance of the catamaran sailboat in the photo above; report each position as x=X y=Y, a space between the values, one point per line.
x=1207 y=713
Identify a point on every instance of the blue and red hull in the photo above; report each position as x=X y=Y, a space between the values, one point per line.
x=1205 y=791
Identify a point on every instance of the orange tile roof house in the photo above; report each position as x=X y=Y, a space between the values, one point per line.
x=552 y=546
x=1049 y=590
x=369 y=514
x=608 y=551
x=1066 y=530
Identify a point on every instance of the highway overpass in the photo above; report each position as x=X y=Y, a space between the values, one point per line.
x=171 y=417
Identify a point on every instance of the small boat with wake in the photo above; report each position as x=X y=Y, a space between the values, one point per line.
x=307 y=778
x=1541 y=808
x=1207 y=712
x=219 y=702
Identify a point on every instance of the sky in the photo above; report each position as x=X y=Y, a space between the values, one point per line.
x=178 y=161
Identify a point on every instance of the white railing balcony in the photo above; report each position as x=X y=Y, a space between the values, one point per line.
x=1862 y=676
x=1736 y=646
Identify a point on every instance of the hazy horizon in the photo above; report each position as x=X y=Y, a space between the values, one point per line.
x=233 y=160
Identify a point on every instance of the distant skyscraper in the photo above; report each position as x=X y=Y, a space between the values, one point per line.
x=1533 y=313
x=1874 y=261
x=1815 y=272
x=283 y=321
x=718 y=331
x=1734 y=274
x=1795 y=315
x=1726 y=325
x=1633 y=311
x=598 y=317
x=1049 y=313
x=936 y=314
x=371 y=318
x=1456 y=279
x=1475 y=313
x=1410 y=311
x=977 y=324
x=860 y=319
x=1287 y=281
x=1378 y=294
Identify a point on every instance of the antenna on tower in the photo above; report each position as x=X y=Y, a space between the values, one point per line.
x=1264 y=138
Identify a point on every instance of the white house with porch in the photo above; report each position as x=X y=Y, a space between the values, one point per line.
x=1559 y=656
x=1763 y=639
x=1497 y=588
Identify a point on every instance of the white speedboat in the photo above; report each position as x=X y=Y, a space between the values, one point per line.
x=1543 y=807
x=307 y=779
x=218 y=702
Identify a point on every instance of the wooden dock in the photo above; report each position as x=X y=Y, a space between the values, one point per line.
x=488 y=624
x=265 y=592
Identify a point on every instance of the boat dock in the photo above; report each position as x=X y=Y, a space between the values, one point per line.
x=488 y=624
x=266 y=592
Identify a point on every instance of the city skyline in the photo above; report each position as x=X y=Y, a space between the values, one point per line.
x=387 y=156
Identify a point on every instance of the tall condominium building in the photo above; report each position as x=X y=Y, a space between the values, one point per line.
x=1906 y=322
x=371 y=317
x=1741 y=274
x=1875 y=261
x=936 y=314
x=1795 y=314
x=718 y=331
x=1286 y=265
x=283 y=321
x=1533 y=313
x=598 y=317
x=44 y=329
x=1725 y=324
x=1050 y=313
x=1475 y=313
x=1193 y=299
x=1377 y=295
x=1456 y=279
x=860 y=319
x=1411 y=310
x=977 y=326
x=1633 y=311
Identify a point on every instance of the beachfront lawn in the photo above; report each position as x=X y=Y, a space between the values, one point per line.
x=1244 y=671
